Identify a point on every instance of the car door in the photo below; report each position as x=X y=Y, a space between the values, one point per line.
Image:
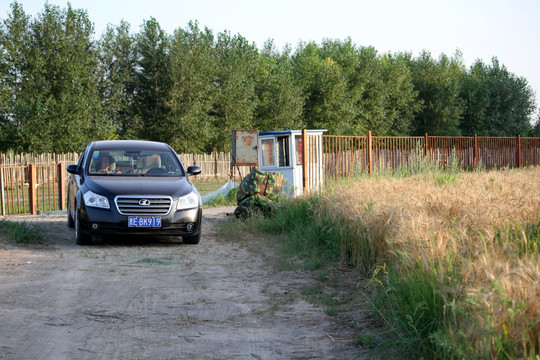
x=73 y=187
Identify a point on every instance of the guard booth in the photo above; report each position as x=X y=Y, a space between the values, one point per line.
x=298 y=154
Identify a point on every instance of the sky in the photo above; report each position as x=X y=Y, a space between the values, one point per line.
x=480 y=29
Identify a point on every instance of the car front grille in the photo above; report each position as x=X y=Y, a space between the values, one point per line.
x=143 y=205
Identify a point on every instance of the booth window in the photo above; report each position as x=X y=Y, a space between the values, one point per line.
x=283 y=151
x=267 y=149
x=298 y=148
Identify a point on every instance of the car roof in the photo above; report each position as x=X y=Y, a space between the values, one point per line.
x=129 y=145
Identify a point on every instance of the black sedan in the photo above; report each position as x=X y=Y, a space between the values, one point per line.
x=127 y=187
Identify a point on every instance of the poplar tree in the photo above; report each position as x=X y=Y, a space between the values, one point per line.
x=438 y=83
x=511 y=102
x=117 y=77
x=280 y=99
x=60 y=108
x=153 y=84
x=14 y=48
x=193 y=71
x=235 y=99
x=400 y=97
x=327 y=104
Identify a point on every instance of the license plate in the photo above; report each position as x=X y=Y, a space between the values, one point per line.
x=148 y=222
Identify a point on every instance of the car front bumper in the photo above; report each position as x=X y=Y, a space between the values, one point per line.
x=109 y=222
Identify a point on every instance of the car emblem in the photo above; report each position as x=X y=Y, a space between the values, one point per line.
x=144 y=202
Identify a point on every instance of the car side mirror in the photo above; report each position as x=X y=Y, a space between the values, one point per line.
x=73 y=169
x=193 y=170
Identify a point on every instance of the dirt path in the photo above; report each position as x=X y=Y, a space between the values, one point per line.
x=157 y=300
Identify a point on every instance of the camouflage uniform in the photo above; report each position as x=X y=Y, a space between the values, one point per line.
x=257 y=193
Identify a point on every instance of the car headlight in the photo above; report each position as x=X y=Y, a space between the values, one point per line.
x=95 y=200
x=188 y=201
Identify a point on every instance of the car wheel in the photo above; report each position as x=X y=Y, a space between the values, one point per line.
x=82 y=237
x=192 y=240
x=70 y=221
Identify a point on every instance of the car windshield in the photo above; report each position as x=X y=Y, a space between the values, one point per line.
x=134 y=163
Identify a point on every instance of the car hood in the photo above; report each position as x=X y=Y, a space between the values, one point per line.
x=112 y=186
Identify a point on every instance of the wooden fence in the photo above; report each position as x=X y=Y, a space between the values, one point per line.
x=32 y=182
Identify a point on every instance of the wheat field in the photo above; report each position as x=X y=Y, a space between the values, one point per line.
x=481 y=228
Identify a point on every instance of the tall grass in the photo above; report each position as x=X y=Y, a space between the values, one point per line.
x=454 y=257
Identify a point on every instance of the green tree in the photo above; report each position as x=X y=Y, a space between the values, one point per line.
x=348 y=58
x=535 y=132
x=475 y=94
x=280 y=99
x=351 y=90
x=511 y=102
x=401 y=102
x=438 y=85
x=498 y=103
x=59 y=108
x=235 y=99
x=14 y=48
x=152 y=119
x=117 y=77
x=327 y=103
x=193 y=71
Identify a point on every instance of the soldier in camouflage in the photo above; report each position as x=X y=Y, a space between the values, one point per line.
x=257 y=193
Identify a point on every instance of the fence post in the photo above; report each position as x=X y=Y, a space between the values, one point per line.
x=61 y=185
x=370 y=152
x=32 y=188
x=215 y=163
x=518 y=152
x=426 y=144
x=475 y=151
x=2 y=196
x=304 y=161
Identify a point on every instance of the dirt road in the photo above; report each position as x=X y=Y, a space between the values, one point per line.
x=158 y=300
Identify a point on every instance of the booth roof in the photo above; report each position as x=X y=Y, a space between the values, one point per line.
x=288 y=132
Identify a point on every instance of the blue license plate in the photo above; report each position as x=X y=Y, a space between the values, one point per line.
x=147 y=222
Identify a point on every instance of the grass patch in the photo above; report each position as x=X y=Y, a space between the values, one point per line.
x=220 y=200
x=205 y=187
x=20 y=233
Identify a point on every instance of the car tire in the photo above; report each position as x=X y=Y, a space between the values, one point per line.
x=82 y=237
x=70 y=222
x=192 y=240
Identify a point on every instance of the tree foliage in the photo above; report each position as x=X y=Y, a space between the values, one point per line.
x=153 y=84
x=14 y=37
x=280 y=97
x=116 y=77
x=193 y=72
x=61 y=87
x=438 y=84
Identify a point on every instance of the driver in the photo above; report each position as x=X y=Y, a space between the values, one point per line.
x=106 y=165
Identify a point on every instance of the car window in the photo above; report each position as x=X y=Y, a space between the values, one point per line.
x=81 y=159
x=134 y=163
